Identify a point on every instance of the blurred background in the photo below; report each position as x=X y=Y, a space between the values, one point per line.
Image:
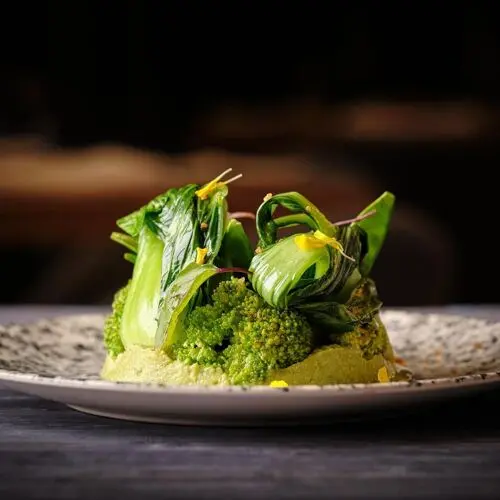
x=105 y=104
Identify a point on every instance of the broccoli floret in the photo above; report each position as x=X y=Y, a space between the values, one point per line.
x=369 y=333
x=209 y=328
x=371 y=337
x=245 y=367
x=240 y=332
x=266 y=338
x=230 y=294
x=112 y=339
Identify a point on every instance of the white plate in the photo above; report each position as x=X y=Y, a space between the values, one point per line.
x=59 y=359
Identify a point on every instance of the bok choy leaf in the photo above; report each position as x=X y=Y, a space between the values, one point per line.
x=236 y=249
x=181 y=297
x=375 y=228
x=318 y=271
x=178 y=301
x=302 y=212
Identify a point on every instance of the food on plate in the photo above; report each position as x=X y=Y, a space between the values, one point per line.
x=202 y=306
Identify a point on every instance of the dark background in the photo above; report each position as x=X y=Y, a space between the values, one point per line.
x=146 y=74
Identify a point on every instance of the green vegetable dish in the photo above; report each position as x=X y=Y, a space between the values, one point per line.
x=202 y=306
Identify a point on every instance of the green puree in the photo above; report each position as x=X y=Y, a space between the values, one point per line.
x=150 y=366
x=343 y=363
x=354 y=359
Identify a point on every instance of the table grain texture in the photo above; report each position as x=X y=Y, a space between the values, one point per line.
x=48 y=451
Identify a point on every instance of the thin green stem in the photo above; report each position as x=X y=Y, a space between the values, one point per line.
x=125 y=240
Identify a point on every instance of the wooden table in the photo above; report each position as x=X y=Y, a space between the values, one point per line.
x=51 y=452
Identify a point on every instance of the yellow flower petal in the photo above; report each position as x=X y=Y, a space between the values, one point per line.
x=200 y=255
x=382 y=375
x=278 y=383
x=308 y=242
x=333 y=242
x=204 y=192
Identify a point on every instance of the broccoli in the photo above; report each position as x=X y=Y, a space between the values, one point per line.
x=241 y=333
x=112 y=339
x=367 y=336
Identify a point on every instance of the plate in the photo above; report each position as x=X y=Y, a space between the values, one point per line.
x=59 y=359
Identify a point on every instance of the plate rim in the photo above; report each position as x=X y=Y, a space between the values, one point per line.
x=101 y=385
x=487 y=378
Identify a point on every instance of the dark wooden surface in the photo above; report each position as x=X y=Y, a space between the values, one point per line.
x=51 y=452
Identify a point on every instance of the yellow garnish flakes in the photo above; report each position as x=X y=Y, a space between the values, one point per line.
x=329 y=240
x=200 y=255
x=268 y=195
x=205 y=191
x=308 y=242
x=319 y=240
x=382 y=375
x=278 y=383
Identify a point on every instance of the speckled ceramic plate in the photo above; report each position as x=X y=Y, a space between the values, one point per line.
x=59 y=359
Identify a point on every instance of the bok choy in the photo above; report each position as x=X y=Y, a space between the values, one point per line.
x=317 y=271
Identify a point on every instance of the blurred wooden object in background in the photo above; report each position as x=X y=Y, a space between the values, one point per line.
x=65 y=189
x=313 y=122
x=67 y=201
